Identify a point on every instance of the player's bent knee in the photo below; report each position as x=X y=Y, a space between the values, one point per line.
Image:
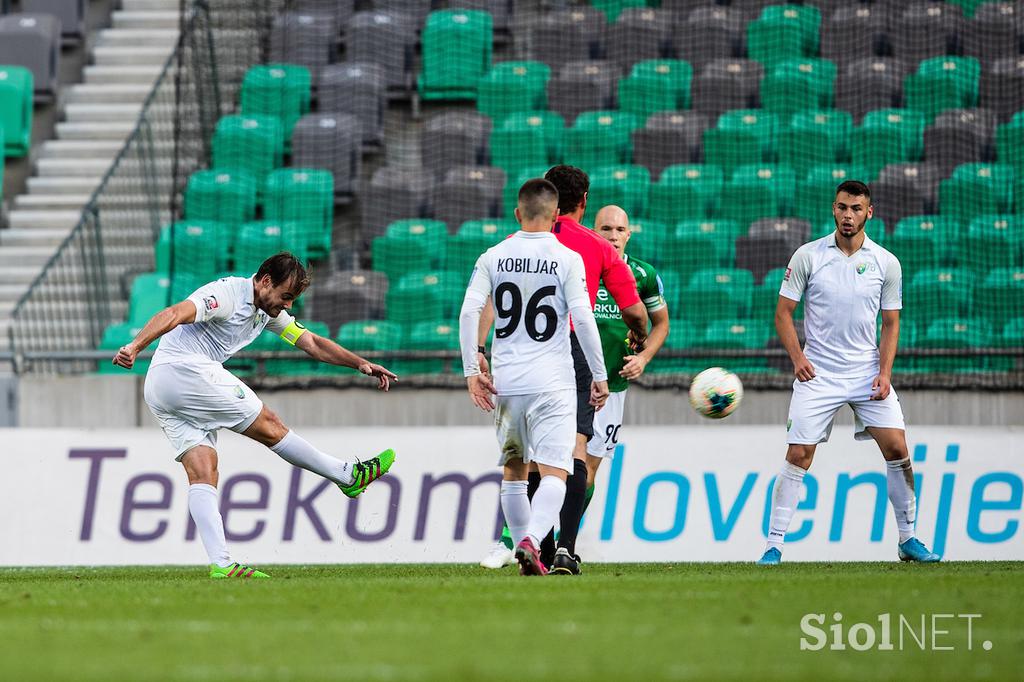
x=800 y=455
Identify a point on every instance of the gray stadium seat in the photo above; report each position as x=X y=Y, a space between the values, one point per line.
x=500 y=11
x=708 y=33
x=960 y=136
x=995 y=32
x=384 y=38
x=468 y=193
x=394 y=193
x=725 y=84
x=559 y=37
x=32 y=41
x=416 y=10
x=1002 y=87
x=905 y=189
x=668 y=138
x=868 y=84
x=70 y=13
x=340 y=10
x=359 y=89
x=304 y=38
x=926 y=29
x=639 y=34
x=347 y=295
x=770 y=243
x=583 y=86
x=332 y=141
x=852 y=32
x=455 y=138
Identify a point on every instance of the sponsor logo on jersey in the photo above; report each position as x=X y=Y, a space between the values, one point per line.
x=789 y=271
x=210 y=302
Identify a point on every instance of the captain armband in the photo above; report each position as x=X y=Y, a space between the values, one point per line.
x=292 y=332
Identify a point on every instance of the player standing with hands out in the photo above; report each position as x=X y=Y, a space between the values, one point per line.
x=844 y=279
x=535 y=283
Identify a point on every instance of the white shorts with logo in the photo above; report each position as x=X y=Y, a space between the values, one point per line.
x=607 y=422
x=192 y=401
x=539 y=427
x=815 y=403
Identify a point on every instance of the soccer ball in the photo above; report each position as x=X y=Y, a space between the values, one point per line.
x=716 y=393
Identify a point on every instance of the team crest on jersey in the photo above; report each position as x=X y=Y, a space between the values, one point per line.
x=861 y=268
x=239 y=392
x=210 y=302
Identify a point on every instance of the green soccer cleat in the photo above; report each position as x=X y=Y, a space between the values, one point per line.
x=367 y=471
x=235 y=570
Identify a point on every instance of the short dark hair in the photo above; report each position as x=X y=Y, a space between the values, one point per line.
x=536 y=197
x=284 y=267
x=572 y=185
x=855 y=188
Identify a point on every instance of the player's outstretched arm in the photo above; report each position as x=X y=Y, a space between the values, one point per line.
x=158 y=325
x=636 y=364
x=328 y=351
x=802 y=367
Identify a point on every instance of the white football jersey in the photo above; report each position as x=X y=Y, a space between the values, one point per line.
x=533 y=282
x=842 y=296
x=227 y=321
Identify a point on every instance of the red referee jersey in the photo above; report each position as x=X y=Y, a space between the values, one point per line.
x=601 y=261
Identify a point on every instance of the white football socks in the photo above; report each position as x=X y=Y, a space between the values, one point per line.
x=296 y=450
x=547 y=502
x=900 y=480
x=516 y=506
x=784 y=500
x=202 y=505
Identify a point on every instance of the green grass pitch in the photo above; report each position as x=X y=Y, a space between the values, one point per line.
x=448 y=622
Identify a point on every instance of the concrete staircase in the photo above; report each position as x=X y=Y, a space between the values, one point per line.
x=97 y=116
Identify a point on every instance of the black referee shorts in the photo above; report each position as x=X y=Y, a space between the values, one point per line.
x=584 y=410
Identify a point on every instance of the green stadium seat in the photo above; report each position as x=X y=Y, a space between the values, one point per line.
x=115 y=336
x=716 y=294
x=794 y=85
x=686 y=191
x=680 y=337
x=304 y=196
x=198 y=248
x=624 y=186
x=410 y=245
x=527 y=139
x=955 y=332
x=302 y=364
x=700 y=243
x=977 y=189
x=766 y=298
x=511 y=191
x=925 y=241
x=600 y=138
x=16 y=88
x=742 y=136
x=513 y=87
x=259 y=240
x=939 y=292
x=153 y=291
x=784 y=32
x=648 y=241
x=654 y=86
x=1013 y=333
x=423 y=296
x=815 y=195
x=612 y=8
x=942 y=83
x=278 y=90
x=379 y=336
x=224 y=196
x=472 y=239
x=758 y=191
x=888 y=136
x=737 y=334
x=1010 y=144
x=814 y=139
x=250 y=143
x=434 y=335
x=992 y=241
x=1000 y=296
x=457 y=46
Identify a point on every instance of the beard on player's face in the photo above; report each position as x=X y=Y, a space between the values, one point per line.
x=847 y=225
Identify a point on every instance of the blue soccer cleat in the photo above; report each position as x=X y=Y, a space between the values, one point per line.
x=914 y=550
x=771 y=557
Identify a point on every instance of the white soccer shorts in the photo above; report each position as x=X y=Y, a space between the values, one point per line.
x=607 y=423
x=815 y=403
x=193 y=401
x=539 y=427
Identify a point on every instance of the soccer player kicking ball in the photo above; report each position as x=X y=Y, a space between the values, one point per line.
x=192 y=395
x=535 y=283
x=844 y=279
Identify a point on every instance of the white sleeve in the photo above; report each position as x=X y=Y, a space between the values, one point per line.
x=213 y=301
x=469 y=319
x=892 y=285
x=278 y=324
x=578 y=301
x=799 y=271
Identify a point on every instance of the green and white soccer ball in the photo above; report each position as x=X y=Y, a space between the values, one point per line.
x=716 y=393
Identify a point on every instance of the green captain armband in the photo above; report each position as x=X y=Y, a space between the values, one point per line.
x=292 y=332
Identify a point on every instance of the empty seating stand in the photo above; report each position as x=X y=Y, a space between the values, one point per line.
x=16 y=109
x=33 y=41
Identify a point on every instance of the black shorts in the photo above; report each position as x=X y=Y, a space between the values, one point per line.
x=584 y=410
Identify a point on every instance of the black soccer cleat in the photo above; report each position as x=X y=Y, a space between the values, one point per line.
x=565 y=563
